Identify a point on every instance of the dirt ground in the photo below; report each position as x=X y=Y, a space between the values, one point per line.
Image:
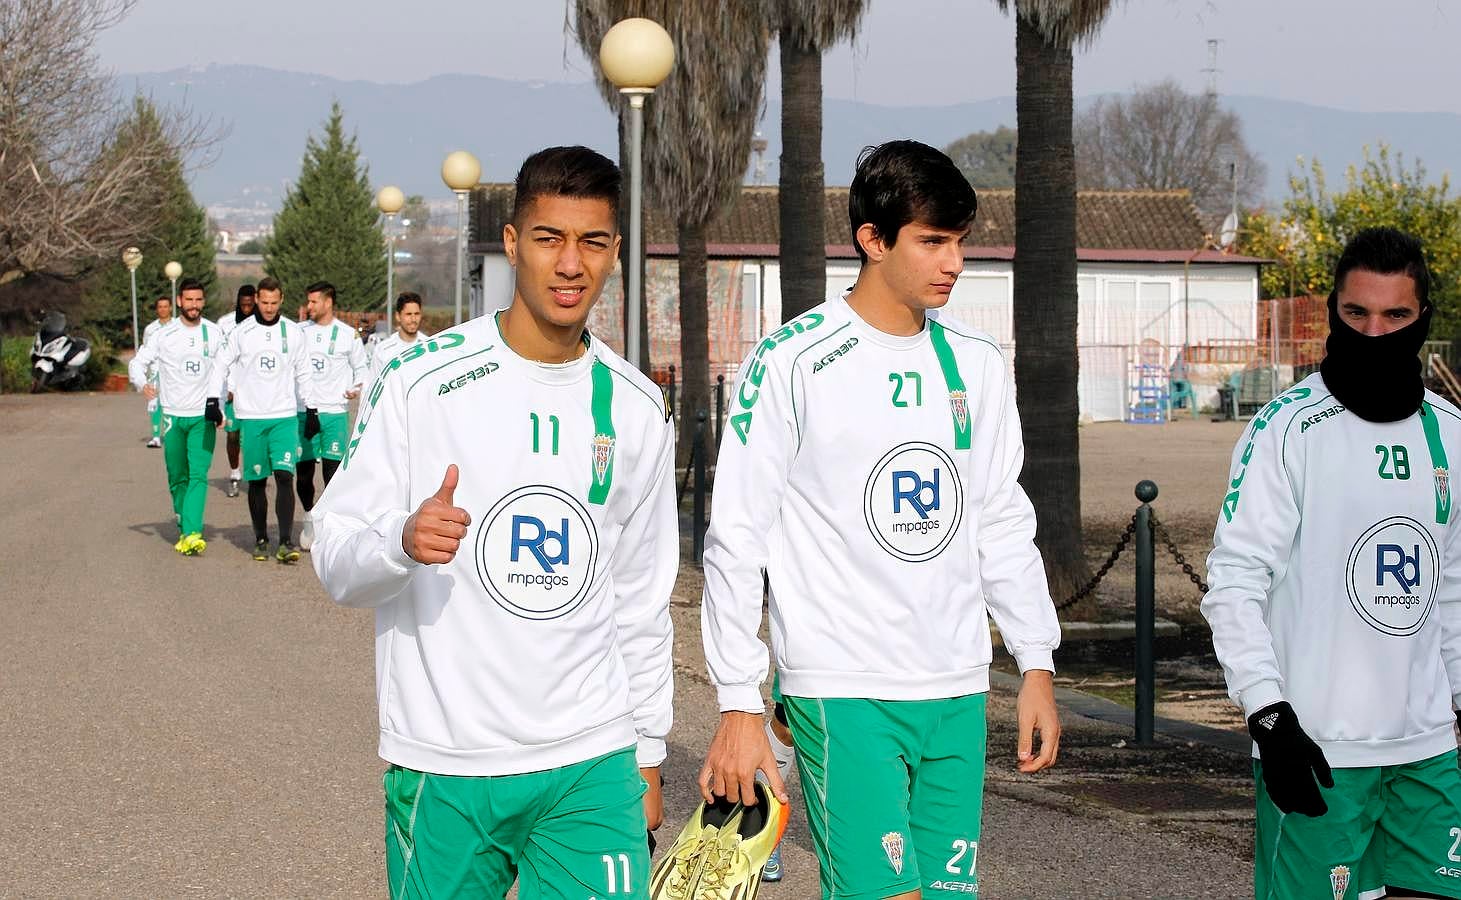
x=1188 y=460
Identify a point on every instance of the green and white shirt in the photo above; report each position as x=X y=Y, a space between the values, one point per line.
x=266 y=367
x=182 y=359
x=873 y=477
x=336 y=363
x=1336 y=575
x=547 y=640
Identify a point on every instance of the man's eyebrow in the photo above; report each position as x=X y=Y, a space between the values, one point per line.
x=596 y=234
x=556 y=232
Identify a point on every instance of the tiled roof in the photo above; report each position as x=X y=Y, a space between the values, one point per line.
x=1111 y=224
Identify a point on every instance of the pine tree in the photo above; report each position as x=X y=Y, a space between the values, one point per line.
x=183 y=236
x=329 y=228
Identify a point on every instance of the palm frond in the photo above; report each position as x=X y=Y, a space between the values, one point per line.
x=1063 y=23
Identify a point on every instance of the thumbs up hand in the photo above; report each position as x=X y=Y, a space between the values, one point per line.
x=434 y=532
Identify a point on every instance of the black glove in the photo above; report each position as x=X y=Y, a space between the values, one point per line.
x=212 y=411
x=311 y=423
x=1291 y=761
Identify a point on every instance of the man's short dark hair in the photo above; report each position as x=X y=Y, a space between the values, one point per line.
x=189 y=284
x=270 y=283
x=1386 y=251
x=902 y=182
x=575 y=172
x=321 y=287
x=246 y=290
x=408 y=297
x=161 y=299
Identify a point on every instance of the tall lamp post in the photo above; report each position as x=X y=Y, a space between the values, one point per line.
x=132 y=258
x=173 y=270
x=390 y=200
x=636 y=55
x=461 y=172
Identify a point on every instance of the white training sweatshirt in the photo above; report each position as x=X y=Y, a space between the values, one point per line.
x=266 y=367
x=226 y=324
x=547 y=641
x=337 y=364
x=387 y=348
x=154 y=327
x=873 y=477
x=1335 y=576
x=182 y=358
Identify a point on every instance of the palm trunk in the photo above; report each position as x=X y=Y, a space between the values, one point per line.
x=624 y=149
x=1046 y=361
x=694 y=339
x=801 y=202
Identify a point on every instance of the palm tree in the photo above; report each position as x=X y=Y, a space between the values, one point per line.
x=807 y=29
x=701 y=122
x=1046 y=361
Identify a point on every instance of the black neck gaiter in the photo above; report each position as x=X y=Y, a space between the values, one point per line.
x=1378 y=378
x=259 y=315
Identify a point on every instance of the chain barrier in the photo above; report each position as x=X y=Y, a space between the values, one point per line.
x=1162 y=534
x=1166 y=538
x=1096 y=579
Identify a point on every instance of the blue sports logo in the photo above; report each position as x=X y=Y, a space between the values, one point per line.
x=529 y=533
x=1392 y=560
x=192 y=367
x=909 y=487
x=267 y=363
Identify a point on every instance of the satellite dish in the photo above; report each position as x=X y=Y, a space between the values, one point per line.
x=1229 y=232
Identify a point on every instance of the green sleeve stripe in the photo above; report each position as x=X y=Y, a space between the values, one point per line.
x=603 y=444
x=958 y=396
x=1442 y=472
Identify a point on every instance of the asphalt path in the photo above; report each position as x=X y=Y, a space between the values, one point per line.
x=205 y=727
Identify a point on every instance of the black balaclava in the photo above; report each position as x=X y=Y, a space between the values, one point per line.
x=1376 y=377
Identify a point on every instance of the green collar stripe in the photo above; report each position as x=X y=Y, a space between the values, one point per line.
x=602 y=475
x=205 y=340
x=958 y=396
x=1442 y=472
x=334 y=332
x=284 y=337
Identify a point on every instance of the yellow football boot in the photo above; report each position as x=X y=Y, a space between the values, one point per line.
x=730 y=866
x=673 y=877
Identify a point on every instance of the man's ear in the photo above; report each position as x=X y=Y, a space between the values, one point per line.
x=618 y=239
x=867 y=237
x=509 y=243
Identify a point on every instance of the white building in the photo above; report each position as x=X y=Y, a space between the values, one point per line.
x=1148 y=293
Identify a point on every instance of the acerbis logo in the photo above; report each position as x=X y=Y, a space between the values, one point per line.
x=268 y=364
x=466 y=378
x=914 y=501
x=1392 y=576
x=537 y=551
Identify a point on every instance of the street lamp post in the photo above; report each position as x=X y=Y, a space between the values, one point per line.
x=173 y=270
x=132 y=258
x=636 y=55
x=461 y=172
x=390 y=200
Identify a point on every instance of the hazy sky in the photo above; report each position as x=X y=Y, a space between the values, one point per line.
x=1350 y=54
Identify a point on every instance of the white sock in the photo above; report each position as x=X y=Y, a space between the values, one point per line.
x=784 y=753
x=235 y=474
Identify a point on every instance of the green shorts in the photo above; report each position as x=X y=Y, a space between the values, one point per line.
x=330 y=442
x=1395 y=826
x=894 y=792
x=268 y=445
x=230 y=424
x=571 y=833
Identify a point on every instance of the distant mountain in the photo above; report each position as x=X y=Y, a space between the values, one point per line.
x=406 y=130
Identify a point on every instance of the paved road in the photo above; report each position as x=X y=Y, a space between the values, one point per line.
x=205 y=727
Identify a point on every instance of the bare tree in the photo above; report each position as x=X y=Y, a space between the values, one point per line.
x=1163 y=138
x=75 y=184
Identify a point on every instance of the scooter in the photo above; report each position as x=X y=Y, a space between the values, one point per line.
x=56 y=358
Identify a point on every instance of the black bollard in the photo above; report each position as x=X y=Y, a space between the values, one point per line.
x=674 y=412
x=1146 y=615
x=698 y=513
x=719 y=406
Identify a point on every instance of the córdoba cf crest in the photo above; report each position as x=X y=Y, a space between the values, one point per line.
x=959 y=400
x=893 y=846
x=1339 y=881
x=603 y=455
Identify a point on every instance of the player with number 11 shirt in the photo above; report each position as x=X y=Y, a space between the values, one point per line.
x=507 y=507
